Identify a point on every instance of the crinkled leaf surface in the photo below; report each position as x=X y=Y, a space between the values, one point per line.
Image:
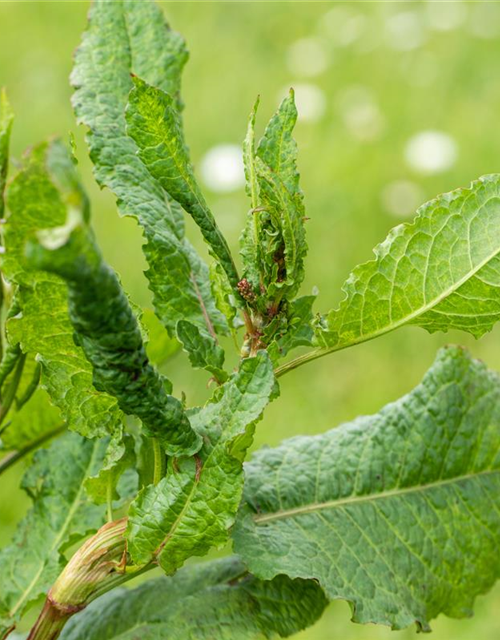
x=273 y=244
x=109 y=334
x=440 y=272
x=125 y=36
x=224 y=297
x=203 y=351
x=202 y=602
x=191 y=509
x=154 y=124
x=399 y=512
x=250 y=243
x=298 y=331
x=61 y=515
x=39 y=197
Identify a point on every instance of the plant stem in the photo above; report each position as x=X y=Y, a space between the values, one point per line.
x=13 y=457
x=97 y=567
x=297 y=362
x=30 y=389
x=159 y=461
x=109 y=498
x=50 y=622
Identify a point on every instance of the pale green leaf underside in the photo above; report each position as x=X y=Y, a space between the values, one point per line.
x=191 y=509
x=60 y=516
x=125 y=36
x=202 y=602
x=440 y=272
x=116 y=457
x=399 y=512
x=203 y=350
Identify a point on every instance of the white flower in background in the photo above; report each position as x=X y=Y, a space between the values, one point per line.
x=405 y=31
x=343 y=26
x=222 y=168
x=307 y=57
x=431 y=152
x=484 y=20
x=360 y=113
x=402 y=198
x=445 y=16
x=310 y=101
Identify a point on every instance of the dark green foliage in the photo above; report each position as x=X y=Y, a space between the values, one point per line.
x=396 y=513
x=108 y=332
x=214 y=600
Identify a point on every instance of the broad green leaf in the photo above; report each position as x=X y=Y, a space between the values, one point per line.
x=160 y=346
x=203 y=351
x=439 y=272
x=124 y=37
x=297 y=332
x=31 y=415
x=41 y=196
x=153 y=122
x=60 y=516
x=202 y=602
x=119 y=456
x=109 y=334
x=6 y=120
x=399 y=512
x=191 y=509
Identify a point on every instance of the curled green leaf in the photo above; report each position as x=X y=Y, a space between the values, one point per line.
x=108 y=332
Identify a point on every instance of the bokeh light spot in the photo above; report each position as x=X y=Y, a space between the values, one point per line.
x=431 y=152
x=402 y=198
x=405 y=31
x=222 y=168
x=307 y=57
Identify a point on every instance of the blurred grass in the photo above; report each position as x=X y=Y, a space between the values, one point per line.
x=447 y=82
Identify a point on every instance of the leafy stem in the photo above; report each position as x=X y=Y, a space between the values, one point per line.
x=97 y=567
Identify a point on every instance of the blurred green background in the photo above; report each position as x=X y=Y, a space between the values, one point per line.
x=399 y=101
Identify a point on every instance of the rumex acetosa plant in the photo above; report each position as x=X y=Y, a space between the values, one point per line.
x=398 y=513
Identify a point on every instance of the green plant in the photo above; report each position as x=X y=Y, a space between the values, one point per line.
x=398 y=513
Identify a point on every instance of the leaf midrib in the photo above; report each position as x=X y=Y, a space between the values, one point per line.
x=418 y=312
x=341 y=502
